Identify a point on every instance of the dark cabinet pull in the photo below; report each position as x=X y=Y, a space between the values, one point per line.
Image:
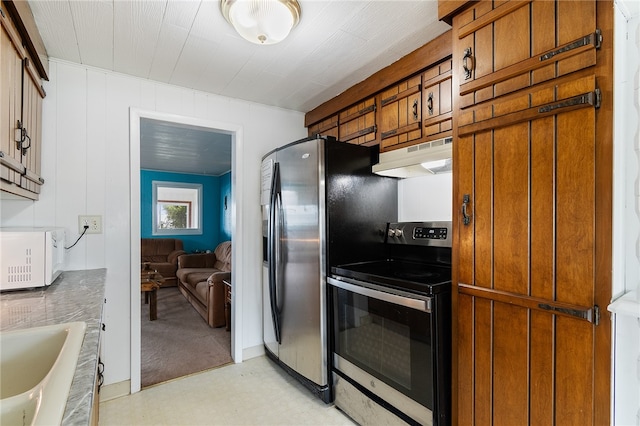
x=23 y=140
x=466 y=219
x=430 y=103
x=415 y=109
x=466 y=59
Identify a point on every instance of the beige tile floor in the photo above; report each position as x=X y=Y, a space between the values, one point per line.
x=255 y=392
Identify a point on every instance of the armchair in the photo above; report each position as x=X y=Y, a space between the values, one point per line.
x=162 y=256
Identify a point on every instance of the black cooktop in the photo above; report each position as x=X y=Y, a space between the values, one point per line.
x=419 y=277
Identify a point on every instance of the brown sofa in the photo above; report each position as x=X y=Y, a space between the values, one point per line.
x=200 y=281
x=162 y=256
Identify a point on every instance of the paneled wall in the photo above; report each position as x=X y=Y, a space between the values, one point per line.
x=626 y=274
x=86 y=169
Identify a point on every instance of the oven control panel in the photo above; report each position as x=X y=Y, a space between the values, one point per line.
x=420 y=233
x=430 y=233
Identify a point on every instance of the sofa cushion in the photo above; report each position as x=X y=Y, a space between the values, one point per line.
x=202 y=291
x=197 y=277
x=223 y=256
x=158 y=249
x=183 y=274
x=197 y=260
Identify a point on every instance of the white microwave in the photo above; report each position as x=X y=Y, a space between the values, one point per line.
x=30 y=257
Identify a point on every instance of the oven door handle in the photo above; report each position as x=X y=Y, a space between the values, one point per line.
x=423 y=305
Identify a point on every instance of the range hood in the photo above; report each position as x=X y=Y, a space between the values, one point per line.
x=427 y=158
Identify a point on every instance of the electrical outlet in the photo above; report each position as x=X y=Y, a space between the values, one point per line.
x=93 y=222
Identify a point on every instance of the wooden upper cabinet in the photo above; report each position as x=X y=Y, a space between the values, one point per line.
x=11 y=63
x=389 y=99
x=21 y=95
x=401 y=113
x=436 y=100
x=32 y=123
x=357 y=124
x=327 y=127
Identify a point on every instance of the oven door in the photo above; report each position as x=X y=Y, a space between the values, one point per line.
x=383 y=342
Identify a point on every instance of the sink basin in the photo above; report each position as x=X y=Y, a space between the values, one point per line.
x=37 y=366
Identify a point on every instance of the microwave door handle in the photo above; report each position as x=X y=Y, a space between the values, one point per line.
x=408 y=302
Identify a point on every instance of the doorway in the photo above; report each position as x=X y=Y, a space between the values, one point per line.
x=137 y=117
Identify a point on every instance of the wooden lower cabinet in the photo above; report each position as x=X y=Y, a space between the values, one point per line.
x=532 y=212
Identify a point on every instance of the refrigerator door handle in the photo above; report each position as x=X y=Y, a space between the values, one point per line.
x=273 y=248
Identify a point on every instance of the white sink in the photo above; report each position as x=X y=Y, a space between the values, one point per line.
x=37 y=366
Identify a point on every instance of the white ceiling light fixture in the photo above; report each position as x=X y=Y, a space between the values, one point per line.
x=262 y=21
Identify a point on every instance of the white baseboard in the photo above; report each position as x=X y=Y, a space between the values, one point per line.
x=252 y=352
x=115 y=390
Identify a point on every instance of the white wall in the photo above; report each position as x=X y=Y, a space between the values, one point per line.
x=626 y=216
x=86 y=170
x=425 y=198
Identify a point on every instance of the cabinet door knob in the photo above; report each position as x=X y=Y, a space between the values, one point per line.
x=415 y=109
x=467 y=63
x=430 y=103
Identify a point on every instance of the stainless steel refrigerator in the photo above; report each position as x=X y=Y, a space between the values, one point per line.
x=321 y=206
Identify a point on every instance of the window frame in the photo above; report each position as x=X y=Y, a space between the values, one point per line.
x=198 y=210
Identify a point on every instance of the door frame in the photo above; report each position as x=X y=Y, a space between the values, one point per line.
x=235 y=131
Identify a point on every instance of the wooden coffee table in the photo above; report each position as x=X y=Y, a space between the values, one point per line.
x=150 y=282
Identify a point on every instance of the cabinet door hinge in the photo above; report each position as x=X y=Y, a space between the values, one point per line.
x=591 y=98
x=592 y=315
x=594 y=39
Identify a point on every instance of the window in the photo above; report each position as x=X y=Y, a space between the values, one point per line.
x=177 y=208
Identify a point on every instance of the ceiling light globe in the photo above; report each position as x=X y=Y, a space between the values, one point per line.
x=262 y=21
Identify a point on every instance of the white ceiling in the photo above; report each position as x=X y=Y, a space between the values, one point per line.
x=180 y=148
x=188 y=43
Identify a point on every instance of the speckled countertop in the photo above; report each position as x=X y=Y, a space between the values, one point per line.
x=74 y=296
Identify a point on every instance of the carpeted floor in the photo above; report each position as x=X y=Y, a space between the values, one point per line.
x=179 y=342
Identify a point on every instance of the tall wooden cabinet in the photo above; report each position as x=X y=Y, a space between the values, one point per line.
x=532 y=211
x=21 y=97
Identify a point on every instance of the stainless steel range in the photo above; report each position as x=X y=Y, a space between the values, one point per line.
x=391 y=321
